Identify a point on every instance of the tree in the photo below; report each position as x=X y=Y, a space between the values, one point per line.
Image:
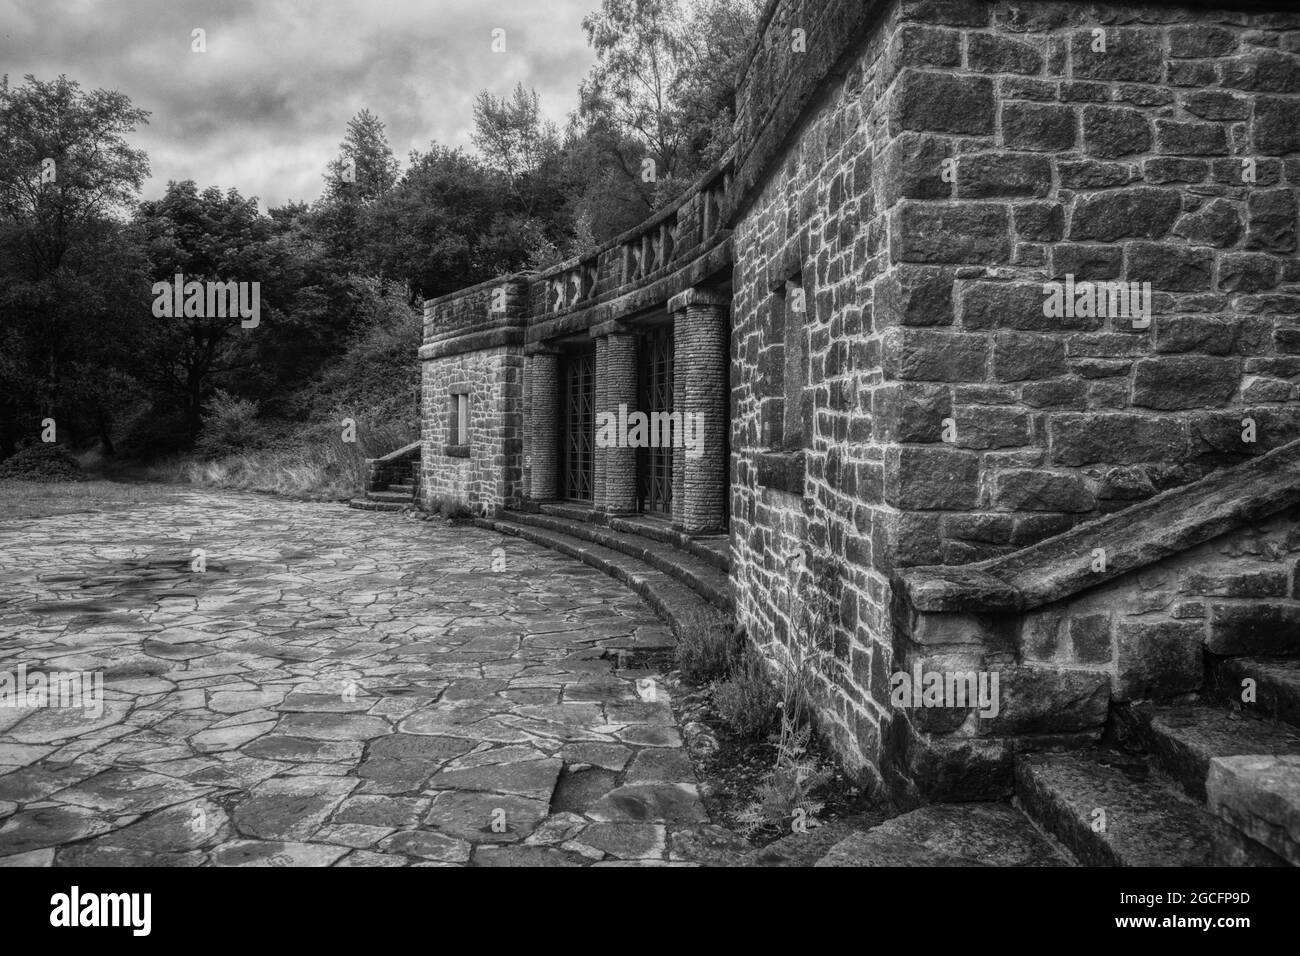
x=638 y=53
x=363 y=172
x=365 y=168
x=718 y=37
x=515 y=139
x=67 y=176
x=446 y=225
x=664 y=84
x=607 y=195
x=64 y=162
x=206 y=236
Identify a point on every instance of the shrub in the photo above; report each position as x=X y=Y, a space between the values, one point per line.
x=705 y=651
x=41 y=462
x=229 y=427
x=747 y=701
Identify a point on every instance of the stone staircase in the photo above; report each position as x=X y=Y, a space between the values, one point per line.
x=1206 y=782
x=1209 y=781
x=393 y=481
x=1150 y=703
x=684 y=579
x=1150 y=665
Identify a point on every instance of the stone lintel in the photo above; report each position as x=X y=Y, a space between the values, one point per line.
x=475 y=342
x=611 y=327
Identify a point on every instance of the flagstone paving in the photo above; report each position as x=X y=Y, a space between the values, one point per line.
x=334 y=687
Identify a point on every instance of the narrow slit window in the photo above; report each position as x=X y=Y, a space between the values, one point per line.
x=460 y=419
x=783 y=420
x=795 y=376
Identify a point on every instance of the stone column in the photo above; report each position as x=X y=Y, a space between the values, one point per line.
x=620 y=389
x=544 y=425
x=598 y=466
x=700 y=392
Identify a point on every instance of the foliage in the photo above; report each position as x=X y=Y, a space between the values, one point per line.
x=312 y=463
x=747 y=700
x=67 y=262
x=514 y=138
x=230 y=426
x=95 y=171
x=41 y=461
x=664 y=83
x=365 y=168
x=339 y=278
x=204 y=236
x=786 y=796
x=444 y=226
x=705 y=650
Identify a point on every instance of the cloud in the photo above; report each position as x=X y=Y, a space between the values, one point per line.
x=264 y=109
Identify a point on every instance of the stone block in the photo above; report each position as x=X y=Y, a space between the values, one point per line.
x=950 y=233
x=1157 y=658
x=943 y=103
x=1038 y=126
x=938 y=479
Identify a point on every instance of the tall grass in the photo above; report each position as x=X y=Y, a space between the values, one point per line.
x=41 y=499
x=318 y=467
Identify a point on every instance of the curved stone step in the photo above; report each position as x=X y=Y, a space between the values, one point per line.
x=1184 y=740
x=704 y=579
x=1113 y=811
x=1277 y=685
x=680 y=606
x=714 y=549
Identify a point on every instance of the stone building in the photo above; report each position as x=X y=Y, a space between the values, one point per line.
x=912 y=461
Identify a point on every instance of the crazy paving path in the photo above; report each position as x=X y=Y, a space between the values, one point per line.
x=336 y=688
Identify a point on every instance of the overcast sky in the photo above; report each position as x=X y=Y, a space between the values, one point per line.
x=266 y=106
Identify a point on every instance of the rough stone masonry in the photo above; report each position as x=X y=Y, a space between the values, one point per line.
x=909 y=180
